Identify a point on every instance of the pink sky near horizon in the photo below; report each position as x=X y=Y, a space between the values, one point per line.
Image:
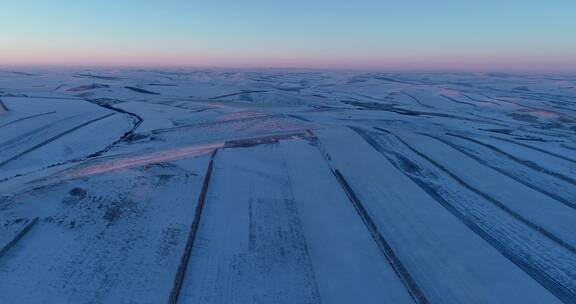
x=479 y=62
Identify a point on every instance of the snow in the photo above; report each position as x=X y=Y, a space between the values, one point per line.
x=429 y=240
x=525 y=203
x=306 y=187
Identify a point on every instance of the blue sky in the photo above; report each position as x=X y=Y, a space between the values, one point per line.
x=342 y=34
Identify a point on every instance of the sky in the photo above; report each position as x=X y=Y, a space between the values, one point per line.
x=355 y=34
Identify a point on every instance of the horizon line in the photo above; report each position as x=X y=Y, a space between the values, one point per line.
x=382 y=69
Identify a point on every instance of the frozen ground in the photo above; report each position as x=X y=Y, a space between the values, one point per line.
x=280 y=186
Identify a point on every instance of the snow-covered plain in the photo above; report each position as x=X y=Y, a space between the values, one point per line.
x=286 y=186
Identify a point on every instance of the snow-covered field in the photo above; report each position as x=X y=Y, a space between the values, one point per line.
x=286 y=186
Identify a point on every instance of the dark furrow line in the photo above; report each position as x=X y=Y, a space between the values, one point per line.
x=114 y=78
x=387 y=79
x=563 y=293
x=260 y=140
x=536 y=149
x=494 y=201
x=235 y=94
x=568 y=147
x=124 y=136
x=185 y=259
x=298 y=117
x=3 y=106
x=12 y=95
x=505 y=173
x=478 y=100
x=49 y=140
x=524 y=162
x=128 y=134
x=26 y=118
x=413 y=288
x=403 y=274
x=417 y=100
x=458 y=101
x=142 y=91
x=18 y=237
